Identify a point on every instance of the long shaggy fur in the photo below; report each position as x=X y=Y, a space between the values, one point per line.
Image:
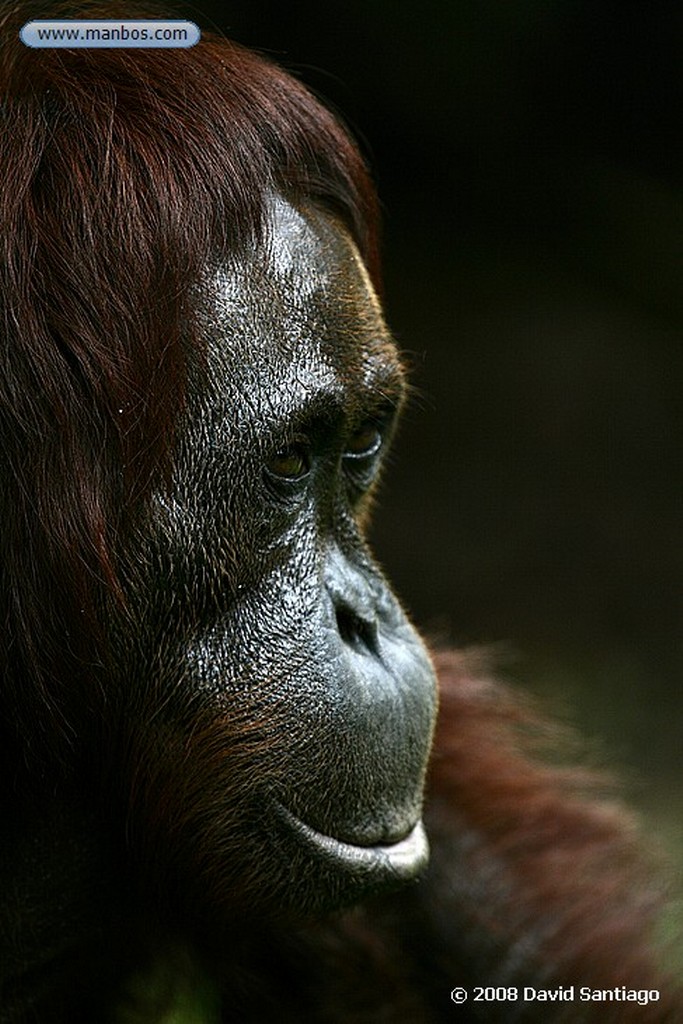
x=124 y=175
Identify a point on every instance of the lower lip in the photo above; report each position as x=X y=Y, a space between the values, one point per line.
x=403 y=859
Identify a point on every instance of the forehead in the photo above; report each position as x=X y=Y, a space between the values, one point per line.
x=297 y=317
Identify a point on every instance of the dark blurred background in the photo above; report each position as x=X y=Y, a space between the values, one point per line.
x=528 y=156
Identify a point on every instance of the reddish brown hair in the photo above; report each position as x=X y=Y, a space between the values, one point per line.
x=123 y=173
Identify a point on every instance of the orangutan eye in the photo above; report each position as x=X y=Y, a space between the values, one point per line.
x=365 y=442
x=291 y=464
x=361 y=459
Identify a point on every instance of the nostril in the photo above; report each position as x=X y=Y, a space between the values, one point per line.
x=356 y=631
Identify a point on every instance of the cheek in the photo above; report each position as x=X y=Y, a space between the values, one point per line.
x=341 y=719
